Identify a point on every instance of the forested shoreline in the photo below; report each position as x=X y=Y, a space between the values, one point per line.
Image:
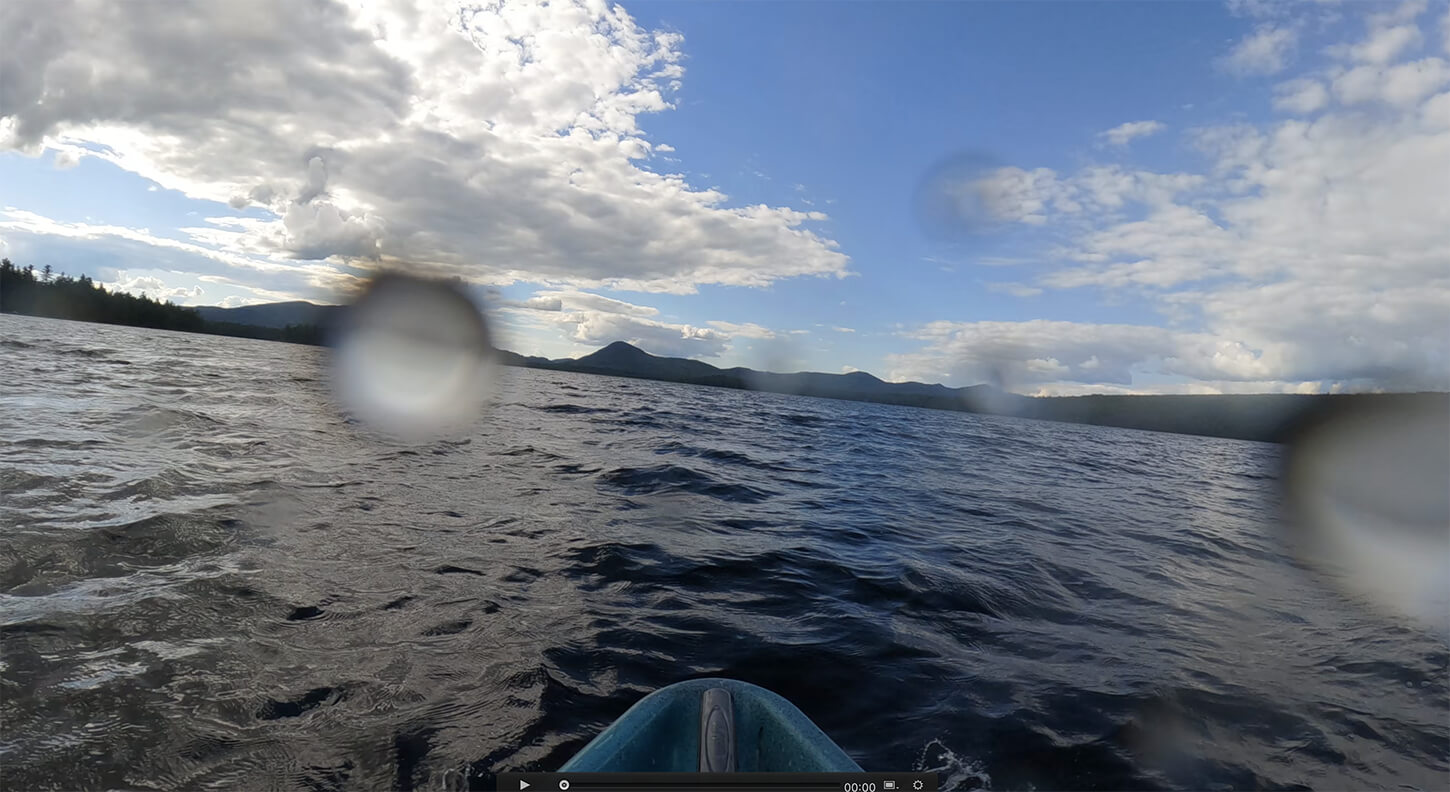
x=1266 y=417
x=59 y=296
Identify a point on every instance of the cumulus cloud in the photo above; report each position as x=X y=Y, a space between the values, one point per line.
x=1018 y=354
x=1121 y=134
x=1401 y=86
x=1383 y=45
x=498 y=142
x=1056 y=358
x=21 y=223
x=593 y=320
x=1398 y=14
x=1310 y=254
x=597 y=328
x=542 y=304
x=571 y=300
x=1301 y=96
x=151 y=286
x=1015 y=195
x=743 y=330
x=1265 y=51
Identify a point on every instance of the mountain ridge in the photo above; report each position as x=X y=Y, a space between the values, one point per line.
x=275 y=315
x=1269 y=417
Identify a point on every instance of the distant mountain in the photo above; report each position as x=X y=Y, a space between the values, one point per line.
x=508 y=358
x=621 y=359
x=631 y=361
x=1248 y=417
x=1265 y=417
x=276 y=315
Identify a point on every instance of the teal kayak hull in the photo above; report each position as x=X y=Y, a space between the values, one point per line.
x=661 y=733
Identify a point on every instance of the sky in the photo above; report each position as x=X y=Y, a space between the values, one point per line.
x=1058 y=198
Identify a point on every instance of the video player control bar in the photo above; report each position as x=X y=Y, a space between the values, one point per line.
x=717 y=782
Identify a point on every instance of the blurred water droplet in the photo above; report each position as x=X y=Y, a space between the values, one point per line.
x=1368 y=494
x=948 y=204
x=412 y=357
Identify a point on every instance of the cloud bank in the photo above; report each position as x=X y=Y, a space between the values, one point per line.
x=499 y=142
x=1311 y=252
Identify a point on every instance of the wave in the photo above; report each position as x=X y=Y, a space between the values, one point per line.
x=725 y=456
x=667 y=478
x=223 y=589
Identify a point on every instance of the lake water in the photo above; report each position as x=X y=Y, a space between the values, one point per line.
x=210 y=578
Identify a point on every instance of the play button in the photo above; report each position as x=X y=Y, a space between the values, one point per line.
x=523 y=785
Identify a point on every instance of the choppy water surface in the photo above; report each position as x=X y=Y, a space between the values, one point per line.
x=211 y=579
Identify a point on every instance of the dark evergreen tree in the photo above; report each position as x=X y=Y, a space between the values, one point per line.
x=62 y=297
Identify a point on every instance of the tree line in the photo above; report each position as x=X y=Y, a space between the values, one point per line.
x=58 y=295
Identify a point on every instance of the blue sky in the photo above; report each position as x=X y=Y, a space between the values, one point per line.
x=1061 y=197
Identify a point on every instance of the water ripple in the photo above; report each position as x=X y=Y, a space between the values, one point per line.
x=210 y=578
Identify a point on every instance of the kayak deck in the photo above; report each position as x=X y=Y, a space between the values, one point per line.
x=662 y=733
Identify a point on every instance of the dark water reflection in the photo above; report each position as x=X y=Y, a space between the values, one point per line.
x=210 y=579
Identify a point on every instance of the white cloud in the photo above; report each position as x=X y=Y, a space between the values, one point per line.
x=1401 y=86
x=1311 y=254
x=1050 y=357
x=1384 y=45
x=1265 y=51
x=23 y=222
x=1400 y=14
x=592 y=320
x=597 y=328
x=743 y=330
x=1301 y=96
x=542 y=304
x=572 y=300
x=1112 y=187
x=153 y=287
x=1017 y=195
x=497 y=143
x=1019 y=354
x=844 y=329
x=1013 y=195
x=1122 y=133
x=1194 y=388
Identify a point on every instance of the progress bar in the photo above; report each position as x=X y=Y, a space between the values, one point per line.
x=717 y=782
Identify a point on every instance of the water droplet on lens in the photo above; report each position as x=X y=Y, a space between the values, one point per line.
x=412 y=357
x=951 y=202
x=1367 y=497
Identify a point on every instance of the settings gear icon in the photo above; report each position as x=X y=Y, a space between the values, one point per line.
x=916 y=784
